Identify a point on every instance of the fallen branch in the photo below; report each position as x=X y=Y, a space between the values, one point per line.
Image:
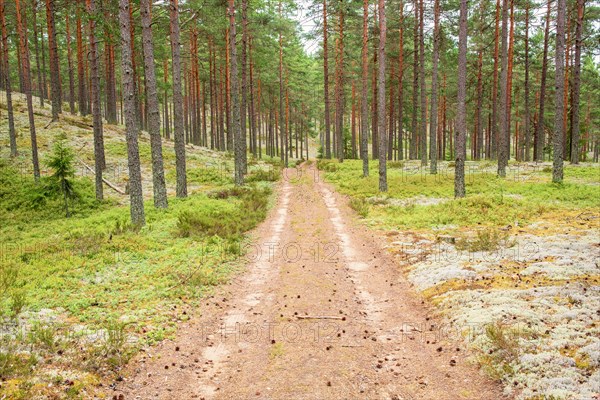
x=318 y=317
x=109 y=184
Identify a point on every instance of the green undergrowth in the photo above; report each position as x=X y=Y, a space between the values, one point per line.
x=525 y=195
x=89 y=290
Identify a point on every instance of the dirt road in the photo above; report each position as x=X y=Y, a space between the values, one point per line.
x=321 y=312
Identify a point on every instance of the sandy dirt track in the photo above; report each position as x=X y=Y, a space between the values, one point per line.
x=321 y=312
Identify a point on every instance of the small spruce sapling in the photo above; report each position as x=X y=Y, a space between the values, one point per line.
x=61 y=162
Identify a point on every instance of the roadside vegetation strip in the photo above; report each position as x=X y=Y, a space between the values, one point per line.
x=511 y=268
x=80 y=295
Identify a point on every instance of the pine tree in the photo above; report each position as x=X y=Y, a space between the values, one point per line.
x=575 y=137
x=235 y=100
x=95 y=94
x=158 y=173
x=24 y=51
x=557 y=165
x=364 y=104
x=135 y=177
x=504 y=111
x=461 y=112
x=178 y=133
x=7 y=85
x=434 y=88
x=381 y=100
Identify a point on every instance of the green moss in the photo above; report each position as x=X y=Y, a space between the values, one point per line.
x=525 y=195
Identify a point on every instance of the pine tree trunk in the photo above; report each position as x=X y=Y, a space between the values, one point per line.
x=24 y=51
x=254 y=129
x=413 y=153
x=494 y=132
x=70 y=67
x=527 y=117
x=326 y=84
x=400 y=138
x=54 y=65
x=364 y=104
x=82 y=92
x=539 y=129
x=381 y=100
x=244 y=102
x=111 y=96
x=95 y=92
x=353 y=123
x=135 y=177
x=283 y=132
x=178 y=132
x=434 y=89
x=478 y=138
x=575 y=137
x=40 y=83
x=339 y=90
x=509 y=78
x=461 y=113
x=502 y=143
x=423 y=129
x=7 y=86
x=158 y=173
x=566 y=145
x=235 y=100
x=557 y=165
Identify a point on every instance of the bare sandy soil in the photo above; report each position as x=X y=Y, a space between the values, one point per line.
x=321 y=312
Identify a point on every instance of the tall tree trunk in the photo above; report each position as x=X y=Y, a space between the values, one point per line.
x=282 y=130
x=353 y=122
x=557 y=165
x=158 y=172
x=381 y=100
x=230 y=145
x=391 y=118
x=7 y=87
x=494 y=133
x=502 y=143
x=374 y=105
x=400 y=138
x=254 y=130
x=40 y=83
x=111 y=91
x=527 y=117
x=24 y=51
x=70 y=67
x=423 y=135
x=54 y=65
x=539 y=129
x=95 y=92
x=566 y=144
x=364 y=103
x=339 y=90
x=413 y=153
x=135 y=177
x=235 y=99
x=434 y=88
x=82 y=92
x=478 y=137
x=576 y=84
x=509 y=77
x=178 y=132
x=461 y=112
x=244 y=103
x=326 y=84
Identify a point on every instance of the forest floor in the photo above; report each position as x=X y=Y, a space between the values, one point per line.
x=79 y=296
x=341 y=293
x=321 y=312
x=513 y=269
